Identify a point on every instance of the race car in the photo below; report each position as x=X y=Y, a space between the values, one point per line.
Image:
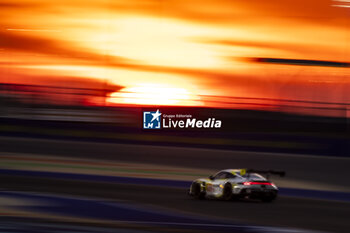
x=235 y=184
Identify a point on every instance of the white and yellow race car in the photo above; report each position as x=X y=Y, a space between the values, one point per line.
x=235 y=184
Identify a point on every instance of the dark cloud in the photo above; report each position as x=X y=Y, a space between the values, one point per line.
x=16 y=76
x=21 y=42
x=300 y=62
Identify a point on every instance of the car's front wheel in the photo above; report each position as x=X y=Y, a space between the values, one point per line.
x=196 y=191
x=227 y=192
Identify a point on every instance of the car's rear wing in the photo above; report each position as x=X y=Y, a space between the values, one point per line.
x=267 y=172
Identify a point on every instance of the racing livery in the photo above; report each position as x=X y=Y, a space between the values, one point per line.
x=236 y=183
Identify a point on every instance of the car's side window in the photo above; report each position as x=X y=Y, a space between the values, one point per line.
x=230 y=175
x=220 y=175
x=224 y=175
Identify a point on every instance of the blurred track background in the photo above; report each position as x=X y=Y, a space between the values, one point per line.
x=95 y=169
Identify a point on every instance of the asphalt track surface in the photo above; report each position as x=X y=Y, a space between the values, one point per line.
x=299 y=213
x=329 y=216
x=323 y=170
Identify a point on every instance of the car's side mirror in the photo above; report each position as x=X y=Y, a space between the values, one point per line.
x=211 y=177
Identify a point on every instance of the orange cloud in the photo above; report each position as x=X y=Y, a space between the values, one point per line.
x=196 y=45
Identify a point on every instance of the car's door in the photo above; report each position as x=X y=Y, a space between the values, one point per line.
x=214 y=188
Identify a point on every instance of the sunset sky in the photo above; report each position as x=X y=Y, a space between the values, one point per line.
x=178 y=48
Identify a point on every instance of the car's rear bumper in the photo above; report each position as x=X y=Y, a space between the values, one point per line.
x=259 y=193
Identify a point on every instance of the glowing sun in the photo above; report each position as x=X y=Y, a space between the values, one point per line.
x=153 y=94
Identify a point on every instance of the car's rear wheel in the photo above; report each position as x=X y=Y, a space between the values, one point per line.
x=227 y=192
x=196 y=191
